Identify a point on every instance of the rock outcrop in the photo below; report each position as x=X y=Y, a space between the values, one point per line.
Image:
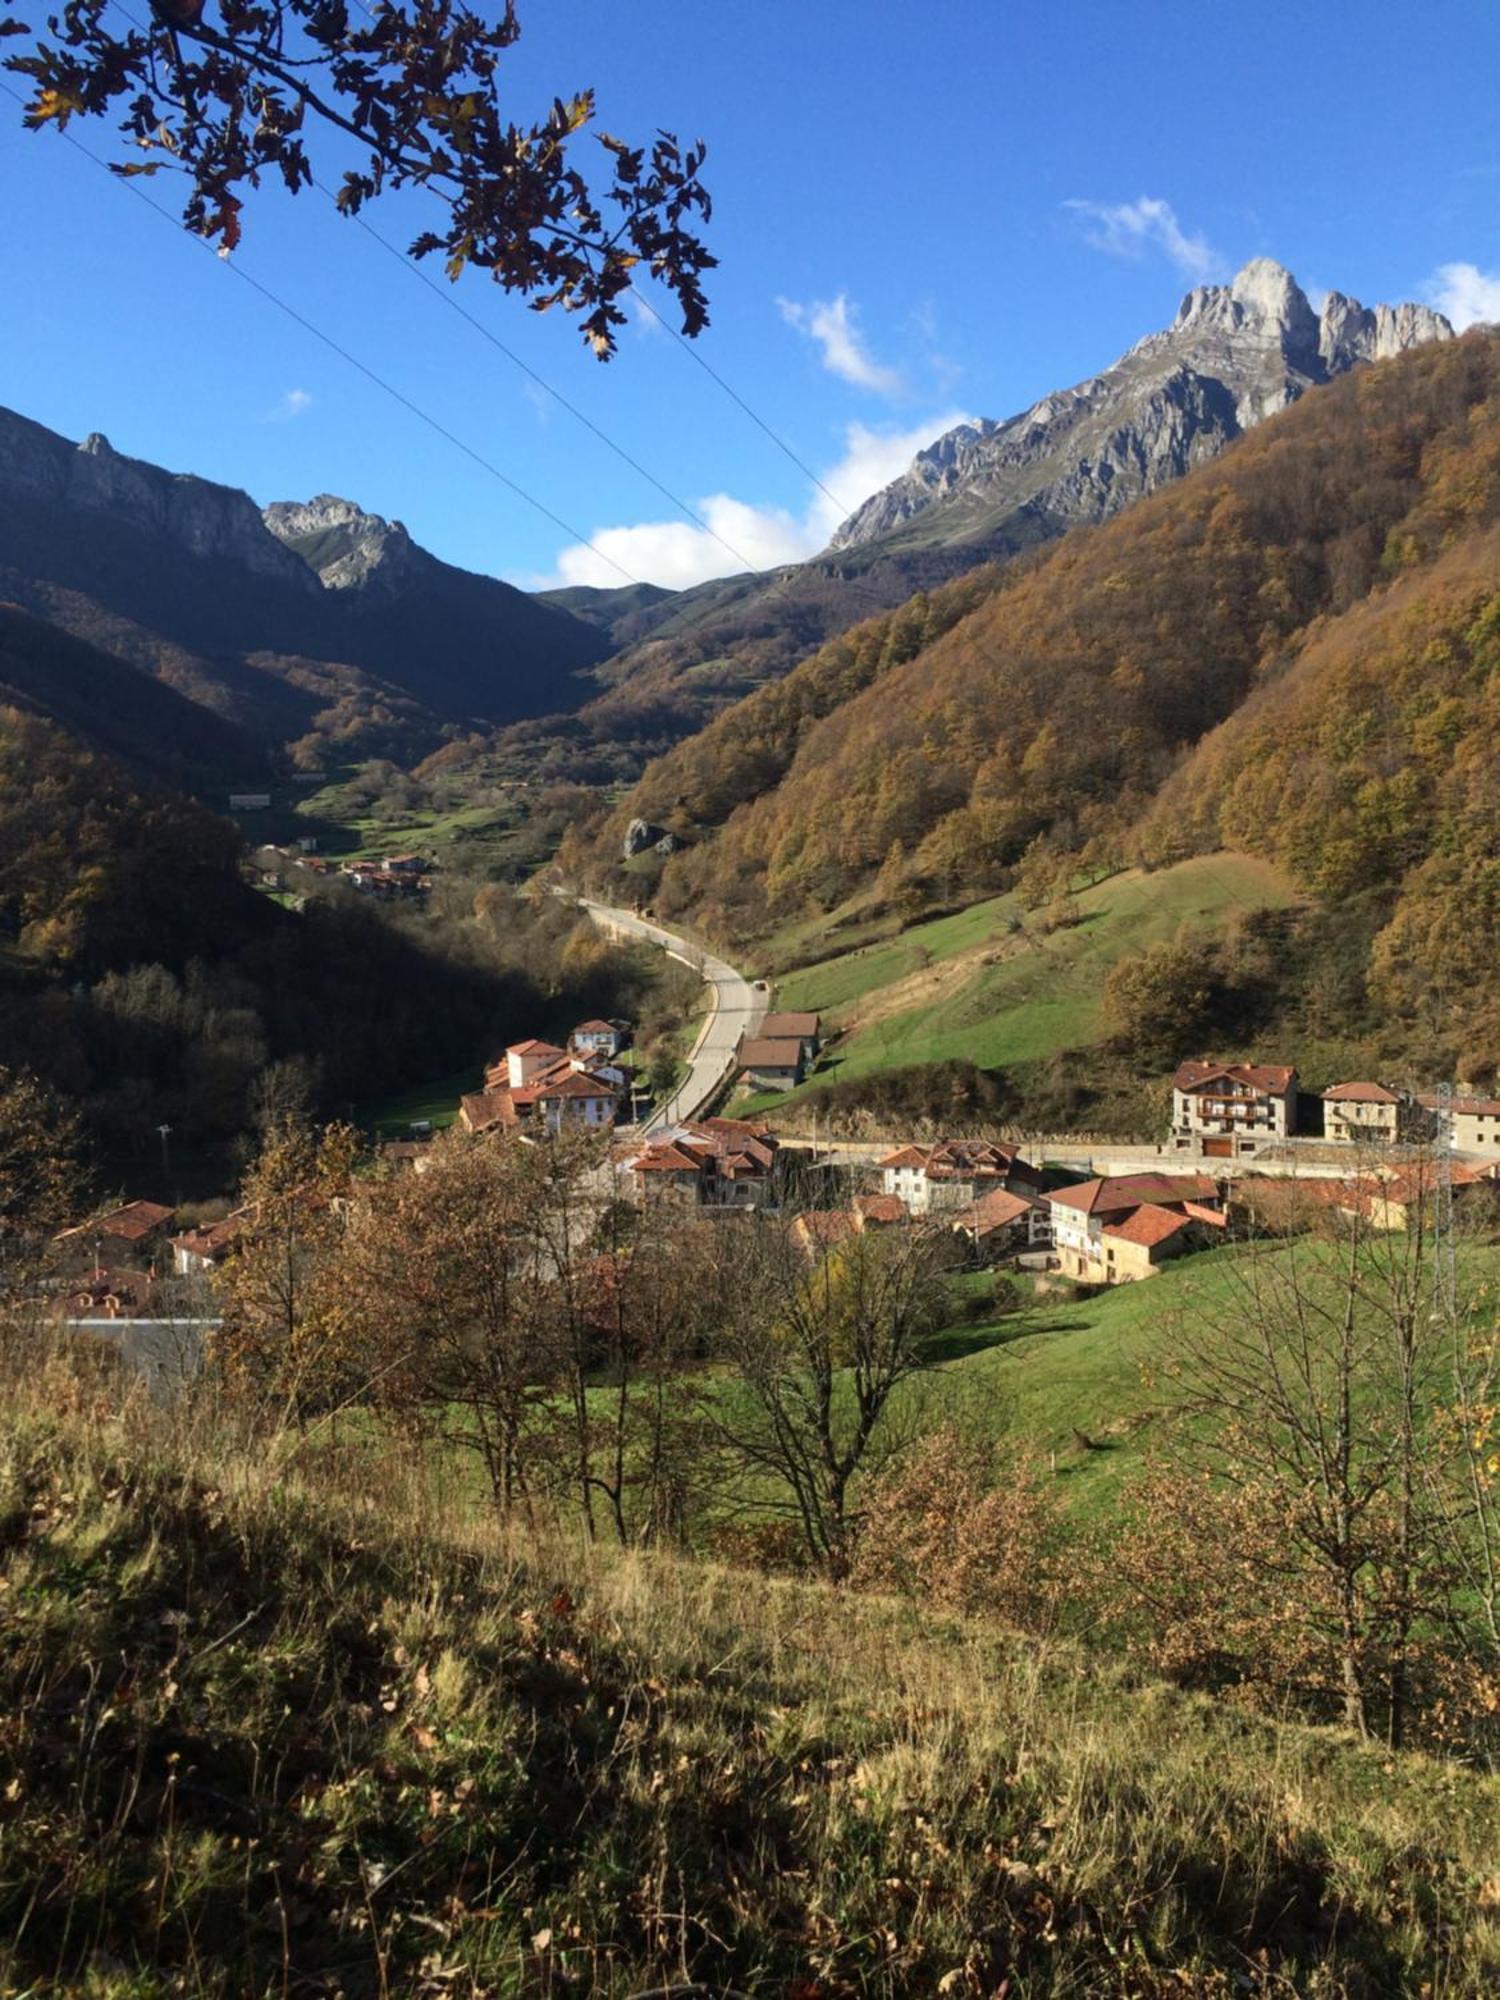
x=348 y=548
x=641 y=834
x=1234 y=355
x=39 y=467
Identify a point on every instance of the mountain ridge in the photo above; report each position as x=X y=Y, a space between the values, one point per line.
x=1234 y=355
x=186 y=579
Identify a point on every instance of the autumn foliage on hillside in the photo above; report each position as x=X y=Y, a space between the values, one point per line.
x=1293 y=651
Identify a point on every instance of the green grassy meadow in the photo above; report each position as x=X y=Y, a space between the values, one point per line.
x=988 y=987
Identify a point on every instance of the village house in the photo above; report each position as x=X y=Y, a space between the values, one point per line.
x=1001 y=1224
x=489 y=1110
x=1473 y=1122
x=1398 y=1199
x=880 y=1211
x=1232 y=1110
x=601 y=1040
x=801 y=1028
x=405 y=864
x=1357 y=1114
x=523 y=1063
x=1112 y=1230
x=536 y=1084
x=818 y=1230
x=765 y=1064
x=134 y=1232
x=567 y=1097
x=954 y=1173
x=383 y=883
x=106 y=1294
x=198 y=1251
x=714 y=1163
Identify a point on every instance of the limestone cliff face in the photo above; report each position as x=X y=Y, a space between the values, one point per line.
x=1234 y=355
x=204 y=519
x=347 y=548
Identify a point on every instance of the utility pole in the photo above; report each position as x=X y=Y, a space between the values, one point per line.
x=1445 y=1264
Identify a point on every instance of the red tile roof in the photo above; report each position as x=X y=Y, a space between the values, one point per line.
x=1148 y=1225
x=798 y=1027
x=825 y=1227
x=1121 y=1191
x=111 y=1295
x=562 y=1083
x=1272 y=1078
x=213 y=1240
x=668 y=1158
x=1200 y=1213
x=764 y=1053
x=132 y=1221
x=963 y=1159
x=1360 y=1093
x=996 y=1210
x=880 y=1208
x=1466 y=1107
x=481 y=1110
x=596 y=1028
x=742 y=1149
x=533 y=1047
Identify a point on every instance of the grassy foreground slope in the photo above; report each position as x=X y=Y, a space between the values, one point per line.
x=264 y=1738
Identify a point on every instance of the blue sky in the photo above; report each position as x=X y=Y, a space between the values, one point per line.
x=920 y=214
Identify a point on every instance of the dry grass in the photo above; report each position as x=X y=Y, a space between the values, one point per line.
x=269 y=1731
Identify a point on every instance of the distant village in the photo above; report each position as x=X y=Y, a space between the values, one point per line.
x=392 y=878
x=1232 y=1163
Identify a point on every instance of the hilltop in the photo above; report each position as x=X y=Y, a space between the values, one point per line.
x=319 y=626
x=989 y=491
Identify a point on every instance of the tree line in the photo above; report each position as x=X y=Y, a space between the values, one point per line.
x=1316 y=1525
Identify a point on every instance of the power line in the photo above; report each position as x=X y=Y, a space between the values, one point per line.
x=640 y=297
x=353 y=360
x=755 y=569
x=448 y=299
x=735 y=397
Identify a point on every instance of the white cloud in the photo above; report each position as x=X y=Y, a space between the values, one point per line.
x=677 y=554
x=1466 y=294
x=832 y=324
x=1130 y=228
x=292 y=404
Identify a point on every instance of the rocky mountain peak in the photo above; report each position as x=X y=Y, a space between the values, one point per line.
x=1234 y=355
x=347 y=548
x=1261 y=305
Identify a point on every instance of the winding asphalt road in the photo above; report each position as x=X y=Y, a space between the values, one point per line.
x=738 y=1009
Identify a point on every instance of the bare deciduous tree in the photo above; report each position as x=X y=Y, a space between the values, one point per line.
x=821 y=1339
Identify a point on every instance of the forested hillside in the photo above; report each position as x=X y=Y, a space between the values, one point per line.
x=144 y=722
x=143 y=979
x=1293 y=652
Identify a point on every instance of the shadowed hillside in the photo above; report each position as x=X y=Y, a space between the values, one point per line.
x=144 y=722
